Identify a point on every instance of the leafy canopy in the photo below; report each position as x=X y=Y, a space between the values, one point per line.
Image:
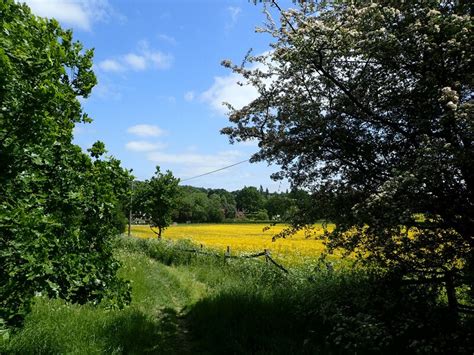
x=369 y=106
x=160 y=197
x=59 y=209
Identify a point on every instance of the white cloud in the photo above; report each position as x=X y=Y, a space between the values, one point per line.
x=220 y=159
x=189 y=96
x=227 y=89
x=168 y=39
x=168 y=98
x=233 y=89
x=106 y=92
x=136 y=62
x=144 y=58
x=234 y=15
x=191 y=163
x=110 y=65
x=143 y=146
x=249 y=143
x=83 y=129
x=156 y=58
x=77 y=13
x=145 y=130
x=160 y=60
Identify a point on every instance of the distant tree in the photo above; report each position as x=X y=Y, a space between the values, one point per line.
x=369 y=105
x=200 y=207
x=160 y=199
x=278 y=206
x=260 y=215
x=215 y=211
x=59 y=208
x=249 y=199
x=227 y=202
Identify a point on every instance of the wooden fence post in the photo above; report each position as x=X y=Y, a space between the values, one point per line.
x=266 y=255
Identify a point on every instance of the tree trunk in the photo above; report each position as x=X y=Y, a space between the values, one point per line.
x=451 y=293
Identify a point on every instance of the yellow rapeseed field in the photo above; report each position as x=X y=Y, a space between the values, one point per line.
x=244 y=238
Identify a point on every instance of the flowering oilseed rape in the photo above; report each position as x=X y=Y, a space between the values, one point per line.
x=245 y=238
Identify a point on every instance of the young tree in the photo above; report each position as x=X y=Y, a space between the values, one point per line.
x=369 y=105
x=59 y=209
x=161 y=196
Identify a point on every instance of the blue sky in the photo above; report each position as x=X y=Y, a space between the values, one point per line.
x=161 y=85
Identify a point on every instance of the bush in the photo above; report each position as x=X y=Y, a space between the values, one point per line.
x=58 y=207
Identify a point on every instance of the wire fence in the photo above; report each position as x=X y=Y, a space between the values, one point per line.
x=228 y=255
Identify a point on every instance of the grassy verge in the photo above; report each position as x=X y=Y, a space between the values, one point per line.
x=185 y=303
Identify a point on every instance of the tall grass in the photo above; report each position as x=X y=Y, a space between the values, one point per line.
x=190 y=303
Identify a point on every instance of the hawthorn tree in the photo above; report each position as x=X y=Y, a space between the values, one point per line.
x=369 y=106
x=59 y=208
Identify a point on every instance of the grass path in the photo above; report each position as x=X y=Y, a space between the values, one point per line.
x=154 y=322
x=189 y=304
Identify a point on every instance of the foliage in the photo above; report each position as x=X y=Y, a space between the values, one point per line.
x=160 y=197
x=58 y=207
x=249 y=199
x=369 y=106
x=252 y=306
x=260 y=215
x=200 y=205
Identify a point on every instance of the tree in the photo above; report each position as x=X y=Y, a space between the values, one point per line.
x=59 y=209
x=215 y=211
x=369 y=106
x=227 y=202
x=160 y=199
x=278 y=206
x=249 y=199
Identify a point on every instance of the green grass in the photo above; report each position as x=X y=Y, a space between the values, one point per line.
x=184 y=303
x=149 y=325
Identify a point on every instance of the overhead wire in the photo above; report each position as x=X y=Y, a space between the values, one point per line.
x=214 y=171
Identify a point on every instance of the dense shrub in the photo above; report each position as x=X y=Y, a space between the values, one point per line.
x=59 y=207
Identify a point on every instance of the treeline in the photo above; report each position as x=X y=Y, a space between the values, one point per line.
x=201 y=205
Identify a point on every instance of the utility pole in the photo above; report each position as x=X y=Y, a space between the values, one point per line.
x=130 y=212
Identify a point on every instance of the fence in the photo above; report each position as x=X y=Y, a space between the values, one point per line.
x=446 y=279
x=227 y=255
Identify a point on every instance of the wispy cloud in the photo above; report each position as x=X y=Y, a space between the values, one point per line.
x=80 y=14
x=189 y=96
x=110 y=65
x=135 y=61
x=168 y=39
x=250 y=143
x=168 y=98
x=234 y=13
x=143 y=146
x=146 y=130
x=191 y=163
x=107 y=91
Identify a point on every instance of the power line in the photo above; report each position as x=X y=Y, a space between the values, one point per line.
x=214 y=171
